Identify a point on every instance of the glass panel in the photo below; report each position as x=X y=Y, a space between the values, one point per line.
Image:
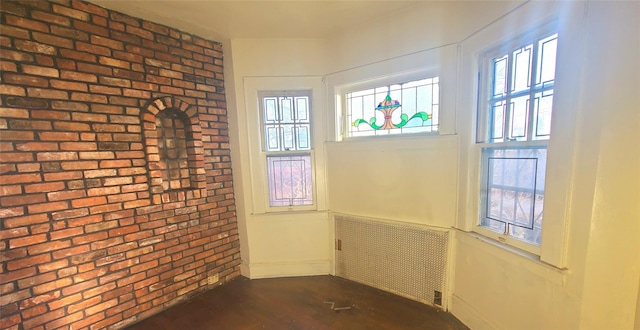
x=303 y=137
x=500 y=76
x=287 y=133
x=290 y=180
x=273 y=138
x=543 y=103
x=270 y=110
x=302 y=109
x=521 y=71
x=547 y=52
x=519 y=118
x=513 y=191
x=286 y=110
x=497 y=121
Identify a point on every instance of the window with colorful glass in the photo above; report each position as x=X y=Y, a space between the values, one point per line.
x=410 y=107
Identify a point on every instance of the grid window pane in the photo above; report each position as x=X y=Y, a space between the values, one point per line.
x=286 y=123
x=524 y=79
x=289 y=180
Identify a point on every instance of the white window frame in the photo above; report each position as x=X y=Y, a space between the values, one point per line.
x=255 y=160
x=482 y=140
x=310 y=152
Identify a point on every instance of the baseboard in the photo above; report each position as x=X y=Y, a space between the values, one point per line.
x=468 y=315
x=286 y=269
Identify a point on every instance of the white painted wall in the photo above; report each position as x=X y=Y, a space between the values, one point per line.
x=276 y=244
x=589 y=277
x=594 y=188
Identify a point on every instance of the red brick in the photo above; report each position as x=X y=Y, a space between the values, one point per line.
x=42 y=16
x=21 y=178
x=91 y=28
x=26 y=241
x=26 y=23
x=29 y=124
x=51 y=266
x=69 y=85
x=12 y=90
x=58 y=136
x=65 y=195
x=97 y=155
x=65 y=301
x=28 y=262
x=88 y=201
x=52 y=40
x=22 y=200
x=35 y=47
x=63 y=176
x=48 y=207
x=78 y=76
x=9 y=190
x=61 y=322
x=39 y=299
x=73 y=13
x=25 y=80
x=32 y=323
x=47 y=247
x=52 y=156
x=47 y=93
x=44 y=187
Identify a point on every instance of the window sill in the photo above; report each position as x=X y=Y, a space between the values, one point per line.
x=528 y=261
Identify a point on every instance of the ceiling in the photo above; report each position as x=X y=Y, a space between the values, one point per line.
x=220 y=20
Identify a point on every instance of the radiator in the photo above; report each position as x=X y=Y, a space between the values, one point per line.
x=405 y=259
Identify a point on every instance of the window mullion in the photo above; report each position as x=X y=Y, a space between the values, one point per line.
x=506 y=135
x=532 y=90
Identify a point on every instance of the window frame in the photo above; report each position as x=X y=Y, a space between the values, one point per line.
x=264 y=154
x=482 y=135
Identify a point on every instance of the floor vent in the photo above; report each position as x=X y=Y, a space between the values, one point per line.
x=408 y=260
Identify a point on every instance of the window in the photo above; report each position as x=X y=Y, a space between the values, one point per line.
x=514 y=126
x=287 y=144
x=410 y=107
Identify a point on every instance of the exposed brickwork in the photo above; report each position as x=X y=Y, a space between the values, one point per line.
x=89 y=238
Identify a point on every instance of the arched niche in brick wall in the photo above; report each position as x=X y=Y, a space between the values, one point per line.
x=174 y=150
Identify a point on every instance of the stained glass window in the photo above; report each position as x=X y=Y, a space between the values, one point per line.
x=410 y=107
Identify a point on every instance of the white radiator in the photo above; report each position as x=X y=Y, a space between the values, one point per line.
x=405 y=259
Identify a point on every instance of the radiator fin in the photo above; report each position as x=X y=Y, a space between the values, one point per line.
x=407 y=260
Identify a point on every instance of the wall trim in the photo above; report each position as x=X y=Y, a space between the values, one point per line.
x=287 y=268
x=468 y=315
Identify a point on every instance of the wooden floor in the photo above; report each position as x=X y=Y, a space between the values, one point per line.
x=299 y=303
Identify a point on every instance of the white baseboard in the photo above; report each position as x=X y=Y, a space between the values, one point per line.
x=469 y=315
x=286 y=269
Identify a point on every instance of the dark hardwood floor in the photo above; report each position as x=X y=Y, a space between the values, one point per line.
x=299 y=303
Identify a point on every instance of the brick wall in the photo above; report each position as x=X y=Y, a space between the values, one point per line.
x=89 y=236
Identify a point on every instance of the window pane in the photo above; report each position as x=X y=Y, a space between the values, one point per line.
x=500 y=76
x=519 y=118
x=547 y=59
x=513 y=191
x=289 y=180
x=521 y=71
x=543 y=104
